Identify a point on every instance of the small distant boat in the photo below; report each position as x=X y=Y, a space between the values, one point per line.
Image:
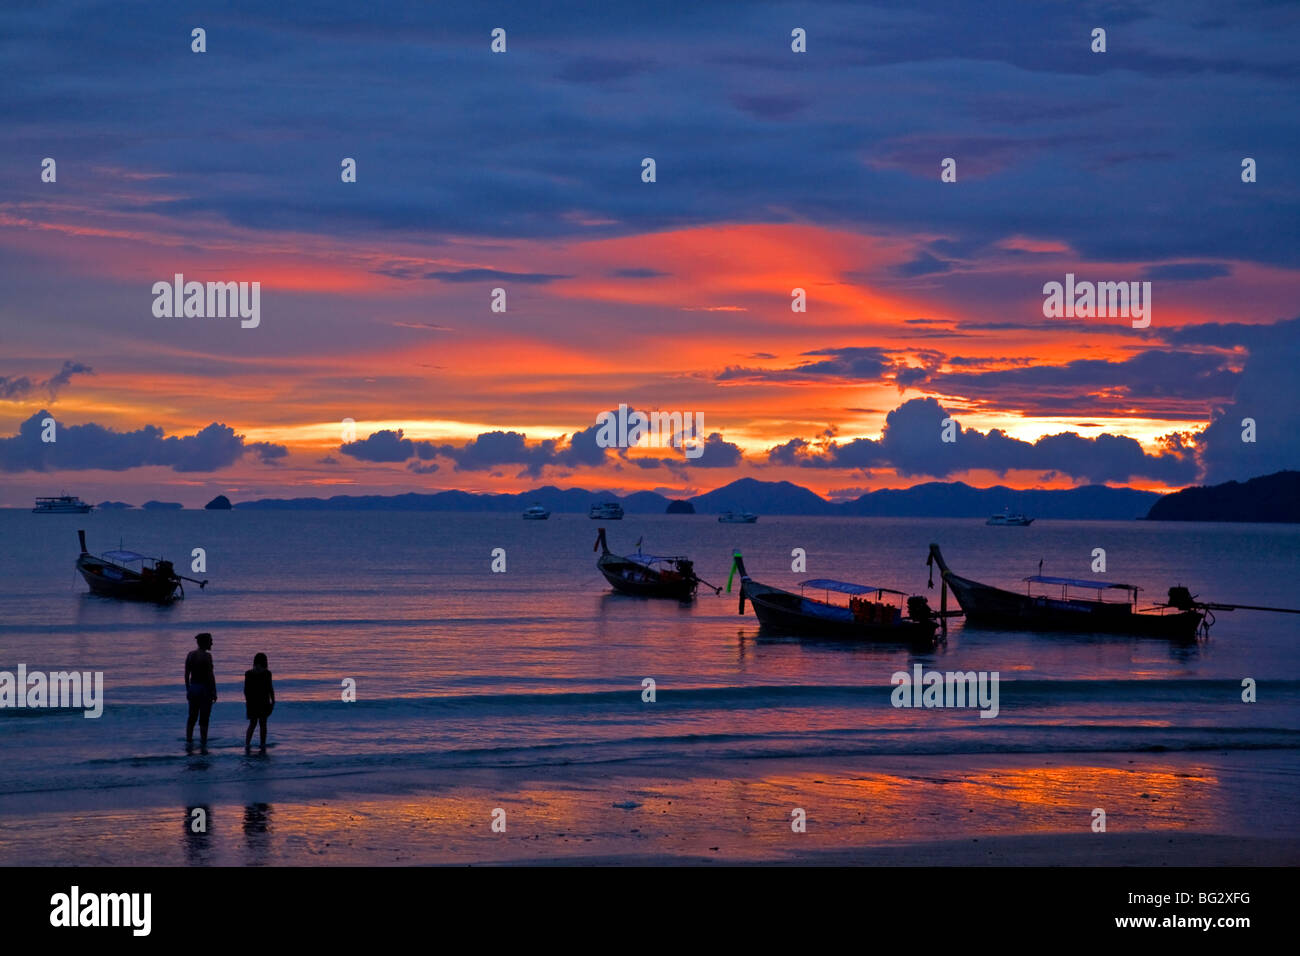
x=131 y=576
x=606 y=511
x=1006 y=519
x=62 y=505
x=869 y=614
x=648 y=575
x=536 y=513
x=737 y=517
x=987 y=606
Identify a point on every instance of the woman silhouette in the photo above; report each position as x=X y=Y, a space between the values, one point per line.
x=259 y=699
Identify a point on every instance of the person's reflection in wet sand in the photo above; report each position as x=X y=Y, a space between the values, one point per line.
x=197 y=839
x=257 y=832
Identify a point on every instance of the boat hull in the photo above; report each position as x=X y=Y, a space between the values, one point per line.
x=629 y=577
x=994 y=608
x=785 y=612
x=109 y=580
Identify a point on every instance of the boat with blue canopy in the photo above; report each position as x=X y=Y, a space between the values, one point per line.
x=131 y=576
x=1044 y=608
x=872 y=613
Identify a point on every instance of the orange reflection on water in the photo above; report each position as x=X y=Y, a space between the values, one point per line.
x=742 y=814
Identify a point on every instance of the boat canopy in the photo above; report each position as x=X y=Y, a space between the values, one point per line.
x=844 y=587
x=640 y=558
x=1079 y=583
x=124 y=556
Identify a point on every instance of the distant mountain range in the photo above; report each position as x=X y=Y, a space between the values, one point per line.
x=931 y=500
x=1274 y=497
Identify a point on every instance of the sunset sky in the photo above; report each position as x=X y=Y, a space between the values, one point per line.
x=523 y=170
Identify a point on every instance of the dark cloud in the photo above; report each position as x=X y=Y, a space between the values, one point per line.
x=850 y=365
x=911 y=443
x=581 y=449
x=911 y=376
x=64 y=375
x=859 y=364
x=381 y=446
x=91 y=446
x=493 y=449
x=792 y=452
x=506 y=146
x=1231 y=335
x=497 y=449
x=717 y=453
x=13 y=389
x=1159 y=381
x=923 y=265
x=16 y=387
x=267 y=452
x=969 y=361
x=1267 y=393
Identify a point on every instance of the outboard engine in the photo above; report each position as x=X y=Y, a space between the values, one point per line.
x=918 y=608
x=165 y=569
x=1181 y=598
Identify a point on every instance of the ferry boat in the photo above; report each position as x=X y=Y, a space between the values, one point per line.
x=606 y=511
x=1008 y=520
x=536 y=513
x=737 y=517
x=61 y=505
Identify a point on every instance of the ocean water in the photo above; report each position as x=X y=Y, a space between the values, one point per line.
x=533 y=677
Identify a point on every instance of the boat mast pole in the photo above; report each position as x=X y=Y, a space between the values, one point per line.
x=943 y=603
x=936 y=557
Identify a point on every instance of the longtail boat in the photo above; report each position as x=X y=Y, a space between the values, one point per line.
x=1036 y=610
x=868 y=616
x=648 y=575
x=131 y=576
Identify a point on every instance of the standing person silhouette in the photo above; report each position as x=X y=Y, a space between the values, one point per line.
x=200 y=689
x=259 y=700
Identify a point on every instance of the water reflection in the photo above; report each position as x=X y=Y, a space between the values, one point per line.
x=257 y=833
x=197 y=839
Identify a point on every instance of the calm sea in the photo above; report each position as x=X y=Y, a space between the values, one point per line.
x=540 y=668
